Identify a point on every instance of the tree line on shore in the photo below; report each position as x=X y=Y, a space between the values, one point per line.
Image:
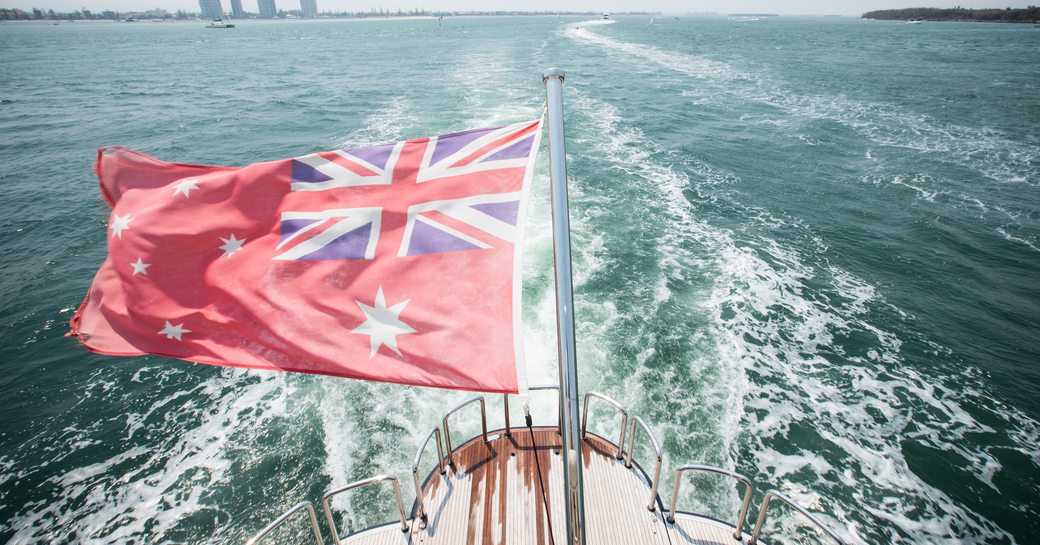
x=1023 y=15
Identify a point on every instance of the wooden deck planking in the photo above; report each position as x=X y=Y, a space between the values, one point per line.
x=616 y=500
x=492 y=496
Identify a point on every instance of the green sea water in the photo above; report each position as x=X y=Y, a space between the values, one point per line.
x=807 y=249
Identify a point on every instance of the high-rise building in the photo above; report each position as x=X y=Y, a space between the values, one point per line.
x=267 y=9
x=211 y=9
x=309 y=8
x=236 y=9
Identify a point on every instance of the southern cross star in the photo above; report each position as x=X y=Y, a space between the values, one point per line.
x=140 y=267
x=231 y=245
x=174 y=331
x=185 y=186
x=383 y=324
x=120 y=223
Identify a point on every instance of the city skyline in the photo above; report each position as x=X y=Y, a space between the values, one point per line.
x=787 y=7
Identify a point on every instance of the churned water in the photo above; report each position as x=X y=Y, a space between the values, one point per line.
x=806 y=249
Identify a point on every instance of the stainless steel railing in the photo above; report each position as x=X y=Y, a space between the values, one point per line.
x=434 y=432
x=550 y=387
x=617 y=406
x=284 y=517
x=748 y=490
x=540 y=387
x=765 y=506
x=444 y=459
x=483 y=423
x=657 y=449
x=374 y=480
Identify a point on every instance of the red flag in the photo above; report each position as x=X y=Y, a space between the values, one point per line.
x=395 y=263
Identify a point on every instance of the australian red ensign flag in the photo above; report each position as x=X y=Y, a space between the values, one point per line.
x=396 y=262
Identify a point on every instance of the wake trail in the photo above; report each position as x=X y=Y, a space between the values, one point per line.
x=777 y=334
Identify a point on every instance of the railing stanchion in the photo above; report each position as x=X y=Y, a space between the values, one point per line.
x=505 y=407
x=434 y=432
x=748 y=490
x=657 y=450
x=285 y=516
x=801 y=510
x=447 y=429
x=374 y=480
x=617 y=406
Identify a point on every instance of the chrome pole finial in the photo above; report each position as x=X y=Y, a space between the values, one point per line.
x=553 y=73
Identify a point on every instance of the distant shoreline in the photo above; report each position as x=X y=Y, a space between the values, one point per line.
x=158 y=15
x=1023 y=15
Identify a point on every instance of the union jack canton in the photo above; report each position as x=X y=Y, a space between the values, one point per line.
x=462 y=210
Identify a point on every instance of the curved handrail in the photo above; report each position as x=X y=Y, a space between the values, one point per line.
x=434 y=431
x=483 y=422
x=609 y=401
x=505 y=405
x=657 y=448
x=285 y=516
x=374 y=480
x=559 y=417
x=776 y=494
x=748 y=490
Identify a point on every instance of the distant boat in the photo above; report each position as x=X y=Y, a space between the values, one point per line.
x=130 y=19
x=220 y=23
x=915 y=21
x=605 y=16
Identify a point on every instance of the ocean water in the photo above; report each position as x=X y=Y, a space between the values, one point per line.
x=807 y=249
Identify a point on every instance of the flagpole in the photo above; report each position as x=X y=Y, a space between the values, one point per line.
x=570 y=429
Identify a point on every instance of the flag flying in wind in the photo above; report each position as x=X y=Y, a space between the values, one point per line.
x=396 y=263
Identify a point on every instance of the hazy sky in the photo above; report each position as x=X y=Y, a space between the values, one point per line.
x=851 y=7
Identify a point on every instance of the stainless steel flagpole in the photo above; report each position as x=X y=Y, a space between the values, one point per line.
x=570 y=428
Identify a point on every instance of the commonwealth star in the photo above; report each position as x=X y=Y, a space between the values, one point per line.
x=185 y=186
x=231 y=245
x=140 y=267
x=120 y=223
x=174 y=331
x=383 y=324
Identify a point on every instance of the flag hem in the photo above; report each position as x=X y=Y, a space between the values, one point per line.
x=223 y=363
x=518 y=270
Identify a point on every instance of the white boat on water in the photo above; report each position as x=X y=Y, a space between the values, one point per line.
x=915 y=21
x=220 y=23
x=605 y=16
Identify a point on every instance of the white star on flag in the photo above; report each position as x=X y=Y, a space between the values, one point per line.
x=140 y=267
x=231 y=245
x=174 y=331
x=382 y=323
x=120 y=223
x=185 y=186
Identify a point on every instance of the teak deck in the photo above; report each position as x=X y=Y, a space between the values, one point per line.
x=494 y=495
